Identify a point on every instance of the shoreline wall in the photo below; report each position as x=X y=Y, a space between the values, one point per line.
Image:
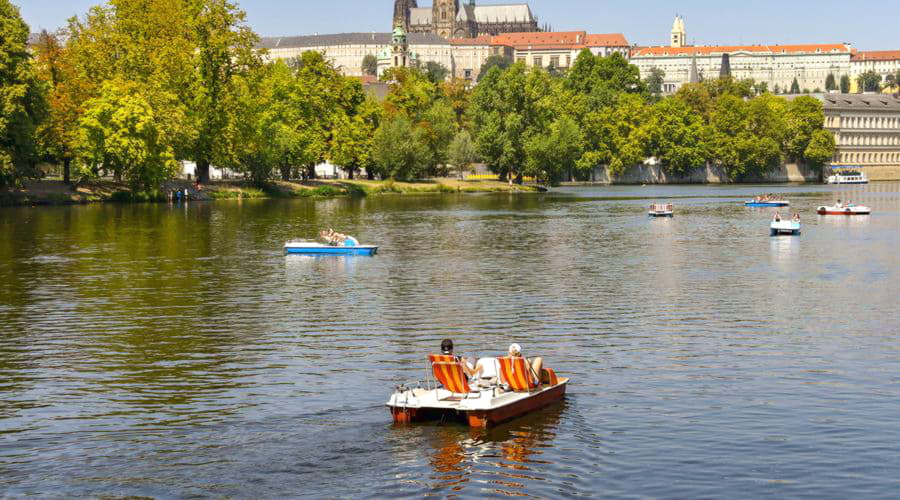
x=711 y=174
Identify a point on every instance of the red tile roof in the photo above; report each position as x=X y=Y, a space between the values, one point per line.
x=877 y=55
x=721 y=49
x=560 y=40
x=481 y=40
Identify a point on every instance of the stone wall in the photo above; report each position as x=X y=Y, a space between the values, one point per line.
x=655 y=174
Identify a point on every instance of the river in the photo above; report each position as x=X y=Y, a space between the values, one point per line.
x=170 y=352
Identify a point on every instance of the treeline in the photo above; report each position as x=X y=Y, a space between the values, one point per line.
x=137 y=86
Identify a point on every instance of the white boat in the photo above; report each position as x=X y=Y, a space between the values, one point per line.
x=848 y=177
x=314 y=248
x=661 y=210
x=850 y=209
x=785 y=227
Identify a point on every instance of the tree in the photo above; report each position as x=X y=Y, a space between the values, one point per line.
x=411 y=92
x=494 y=61
x=352 y=142
x=830 y=83
x=869 y=81
x=439 y=127
x=674 y=135
x=612 y=136
x=760 y=88
x=370 y=65
x=22 y=104
x=734 y=144
x=795 y=87
x=462 y=152
x=550 y=156
x=655 y=81
x=821 y=148
x=458 y=95
x=891 y=81
x=57 y=135
x=601 y=79
x=399 y=149
x=845 y=84
x=436 y=72
x=121 y=132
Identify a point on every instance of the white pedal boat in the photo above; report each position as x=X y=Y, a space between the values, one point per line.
x=661 y=210
x=844 y=210
x=313 y=248
x=784 y=227
x=480 y=405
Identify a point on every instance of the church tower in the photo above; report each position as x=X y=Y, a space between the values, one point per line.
x=402 y=14
x=679 y=35
x=443 y=17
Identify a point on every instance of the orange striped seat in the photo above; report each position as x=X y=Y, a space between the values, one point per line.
x=514 y=372
x=442 y=358
x=548 y=377
x=452 y=377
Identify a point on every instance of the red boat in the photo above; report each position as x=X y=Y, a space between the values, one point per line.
x=844 y=210
x=485 y=404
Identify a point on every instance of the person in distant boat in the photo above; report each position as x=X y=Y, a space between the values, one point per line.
x=335 y=239
x=534 y=365
x=796 y=217
x=839 y=204
x=777 y=217
x=447 y=350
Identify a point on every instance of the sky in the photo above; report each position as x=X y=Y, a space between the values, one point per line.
x=644 y=22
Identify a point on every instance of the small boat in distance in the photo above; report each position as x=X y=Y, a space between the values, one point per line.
x=661 y=210
x=847 y=177
x=785 y=227
x=846 y=209
x=313 y=248
x=767 y=201
x=481 y=405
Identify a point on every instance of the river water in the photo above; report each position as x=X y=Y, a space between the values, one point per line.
x=170 y=352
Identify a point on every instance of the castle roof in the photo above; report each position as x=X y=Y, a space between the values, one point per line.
x=707 y=50
x=859 y=102
x=486 y=14
x=560 y=40
x=876 y=55
x=290 y=42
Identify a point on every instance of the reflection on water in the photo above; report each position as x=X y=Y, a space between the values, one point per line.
x=158 y=351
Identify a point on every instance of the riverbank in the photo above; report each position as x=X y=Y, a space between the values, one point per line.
x=57 y=193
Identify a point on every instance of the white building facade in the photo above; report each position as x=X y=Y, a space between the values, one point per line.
x=866 y=129
x=882 y=62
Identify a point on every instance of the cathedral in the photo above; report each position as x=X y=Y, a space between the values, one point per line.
x=449 y=19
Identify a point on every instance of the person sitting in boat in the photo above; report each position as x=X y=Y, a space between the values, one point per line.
x=777 y=217
x=796 y=217
x=534 y=365
x=839 y=204
x=335 y=239
x=447 y=350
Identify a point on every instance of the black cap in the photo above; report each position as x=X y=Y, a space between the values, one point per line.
x=447 y=346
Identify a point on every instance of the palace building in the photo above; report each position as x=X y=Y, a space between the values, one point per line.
x=866 y=128
x=451 y=19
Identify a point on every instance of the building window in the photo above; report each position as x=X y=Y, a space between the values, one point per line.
x=468 y=74
x=554 y=61
x=538 y=61
x=568 y=60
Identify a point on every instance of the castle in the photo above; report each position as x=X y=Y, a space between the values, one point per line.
x=450 y=19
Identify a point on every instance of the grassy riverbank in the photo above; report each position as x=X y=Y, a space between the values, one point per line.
x=58 y=193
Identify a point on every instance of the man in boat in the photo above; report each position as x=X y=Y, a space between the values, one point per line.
x=777 y=217
x=337 y=239
x=447 y=350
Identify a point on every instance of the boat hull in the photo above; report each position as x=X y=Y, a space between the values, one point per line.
x=480 y=418
x=846 y=212
x=661 y=214
x=767 y=204
x=784 y=228
x=329 y=250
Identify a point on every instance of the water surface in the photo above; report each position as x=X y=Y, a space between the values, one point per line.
x=167 y=351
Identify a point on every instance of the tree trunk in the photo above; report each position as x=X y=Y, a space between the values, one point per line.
x=370 y=174
x=350 y=173
x=285 y=173
x=67 y=170
x=202 y=171
x=311 y=171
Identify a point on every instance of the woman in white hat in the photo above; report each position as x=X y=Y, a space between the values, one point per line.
x=534 y=364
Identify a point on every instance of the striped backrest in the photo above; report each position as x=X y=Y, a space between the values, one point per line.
x=442 y=358
x=452 y=377
x=548 y=376
x=514 y=372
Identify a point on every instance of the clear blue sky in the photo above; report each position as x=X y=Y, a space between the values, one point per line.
x=644 y=22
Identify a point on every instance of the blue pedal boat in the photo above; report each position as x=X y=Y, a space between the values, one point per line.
x=767 y=204
x=313 y=248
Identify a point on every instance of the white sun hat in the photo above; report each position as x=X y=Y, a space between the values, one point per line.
x=515 y=349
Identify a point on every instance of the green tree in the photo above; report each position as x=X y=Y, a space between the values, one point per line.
x=601 y=79
x=121 y=132
x=869 y=81
x=890 y=82
x=411 y=92
x=845 y=84
x=735 y=146
x=57 y=135
x=795 y=86
x=436 y=72
x=494 y=61
x=400 y=151
x=612 y=136
x=674 y=135
x=439 y=126
x=654 y=82
x=805 y=115
x=370 y=65
x=22 y=99
x=462 y=152
x=352 y=142
x=821 y=148
x=552 y=155
x=830 y=83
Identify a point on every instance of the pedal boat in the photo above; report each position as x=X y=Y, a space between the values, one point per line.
x=313 y=248
x=785 y=227
x=481 y=406
x=848 y=210
x=661 y=210
x=767 y=204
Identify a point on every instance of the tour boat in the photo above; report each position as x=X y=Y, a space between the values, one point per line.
x=785 y=227
x=313 y=248
x=851 y=177
x=844 y=210
x=482 y=404
x=661 y=210
x=765 y=204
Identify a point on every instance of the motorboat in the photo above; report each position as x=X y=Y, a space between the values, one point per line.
x=661 y=210
x=314 y=248
x=767 y=203
x=483 y=403
x=849 y=209
x=785 y=227
x=847 y=177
